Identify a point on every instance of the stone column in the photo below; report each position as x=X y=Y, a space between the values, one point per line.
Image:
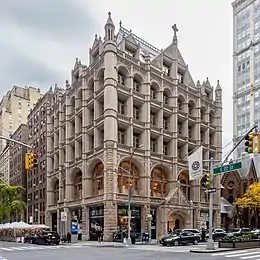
x=58 y=222
x=110 y=220
x=48 y=220
x=83 y=223
x=217 y=219
x=162 y=221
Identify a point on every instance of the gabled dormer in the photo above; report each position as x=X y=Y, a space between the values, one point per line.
x=76 y=71
x=96 y=50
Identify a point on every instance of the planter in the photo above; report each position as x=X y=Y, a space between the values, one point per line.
x=240 y=244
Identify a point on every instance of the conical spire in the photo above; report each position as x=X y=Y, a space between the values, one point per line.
x=109 y=20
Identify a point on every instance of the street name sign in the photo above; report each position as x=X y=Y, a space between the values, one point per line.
x=227 y=168
x=211 y=190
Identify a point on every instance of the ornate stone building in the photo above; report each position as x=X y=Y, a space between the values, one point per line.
x=234 y=184
x=130 y=118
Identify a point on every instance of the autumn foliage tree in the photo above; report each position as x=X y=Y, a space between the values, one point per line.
x=251 y=199
x=11 y=202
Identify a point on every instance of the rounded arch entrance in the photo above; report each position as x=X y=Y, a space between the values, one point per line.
x=77 y=183
x=176 y=221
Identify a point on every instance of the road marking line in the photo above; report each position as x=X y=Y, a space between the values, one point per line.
x=250 y=257
x=17 y=248
x=244 y=254
x=228 y=253
x=5 y=249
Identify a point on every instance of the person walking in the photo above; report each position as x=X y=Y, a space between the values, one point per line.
x=99 y=234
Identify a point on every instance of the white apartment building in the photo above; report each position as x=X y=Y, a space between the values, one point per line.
x=130 y=118
x=14 y=109
x=5 y=165
x=246 y=67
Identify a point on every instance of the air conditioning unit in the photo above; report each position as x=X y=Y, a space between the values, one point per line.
x=36 y=197
x=34 y=185
x=40 y=182
x=29 y=200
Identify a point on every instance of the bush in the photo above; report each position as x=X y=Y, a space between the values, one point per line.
x=241 y=238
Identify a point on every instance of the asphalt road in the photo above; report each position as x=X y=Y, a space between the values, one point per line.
x=68 y=252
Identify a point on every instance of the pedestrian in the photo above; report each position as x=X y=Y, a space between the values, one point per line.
x=98 y=232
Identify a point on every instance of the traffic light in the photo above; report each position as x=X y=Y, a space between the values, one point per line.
x=205 y=181
x=249 y=143
x=31 y=160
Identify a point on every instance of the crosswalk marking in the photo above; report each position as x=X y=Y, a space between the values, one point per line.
x=247 y=254
x=24 y=248
x=229 y=253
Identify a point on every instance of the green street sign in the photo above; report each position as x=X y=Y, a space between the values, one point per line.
x=132 y=202
x=227 y=168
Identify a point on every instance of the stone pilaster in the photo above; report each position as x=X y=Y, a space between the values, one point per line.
x=162 y=221
x=48 y=220
x=145 y=211
x=110 y=220
x=217 y=219
x=58 y=221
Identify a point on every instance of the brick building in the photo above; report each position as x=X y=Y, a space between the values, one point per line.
x=36 y=184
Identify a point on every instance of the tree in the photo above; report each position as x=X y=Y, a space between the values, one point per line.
x=12 y=203
x=251 y=199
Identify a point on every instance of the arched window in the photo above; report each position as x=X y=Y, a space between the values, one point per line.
x=158 y=183
x=78 y=186
x=184 y=184
x=125 y=169
x=56 y=192
x=98 y=179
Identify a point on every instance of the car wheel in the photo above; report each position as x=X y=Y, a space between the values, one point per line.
x=176 y=242
x=195 y=242
x=57 y=243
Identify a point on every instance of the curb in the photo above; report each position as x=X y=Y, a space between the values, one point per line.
x=219 y=250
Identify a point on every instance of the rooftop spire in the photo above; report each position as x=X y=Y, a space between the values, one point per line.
x=109 y=20
x=175 y=30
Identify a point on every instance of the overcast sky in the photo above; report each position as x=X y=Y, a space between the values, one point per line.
x=40 y=39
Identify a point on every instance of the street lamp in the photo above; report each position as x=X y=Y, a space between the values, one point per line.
x=130 y=193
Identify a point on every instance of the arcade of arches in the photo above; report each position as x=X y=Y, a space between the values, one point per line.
x=113 y=216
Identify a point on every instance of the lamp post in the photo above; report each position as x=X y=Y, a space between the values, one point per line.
x=130 y=194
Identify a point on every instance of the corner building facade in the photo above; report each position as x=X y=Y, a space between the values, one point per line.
x=134 y=111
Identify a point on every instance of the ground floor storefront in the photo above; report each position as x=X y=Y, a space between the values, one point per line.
x=112 y=217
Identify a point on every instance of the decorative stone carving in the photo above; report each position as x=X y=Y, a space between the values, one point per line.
x=178 y=198
x=110 y=144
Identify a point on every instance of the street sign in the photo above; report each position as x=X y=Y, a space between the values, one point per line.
x=211 y=190
x=227 y=168
x=132 y=202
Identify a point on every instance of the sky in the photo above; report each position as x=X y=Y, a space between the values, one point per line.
x=40 y=40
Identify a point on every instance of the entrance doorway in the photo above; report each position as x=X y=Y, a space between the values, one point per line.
x=177 y=224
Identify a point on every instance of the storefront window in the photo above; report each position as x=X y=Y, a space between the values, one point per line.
x=135 y=219
x=158 y=183
x=96 y=221
x=98 y=179
x=123 y=177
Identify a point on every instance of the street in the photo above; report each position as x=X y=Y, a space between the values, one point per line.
x=14 y=251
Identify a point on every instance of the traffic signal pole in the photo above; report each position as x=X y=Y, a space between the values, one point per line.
x=210 y=241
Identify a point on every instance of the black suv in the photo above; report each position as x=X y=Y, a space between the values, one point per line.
x=181 y=237
x=47 y=238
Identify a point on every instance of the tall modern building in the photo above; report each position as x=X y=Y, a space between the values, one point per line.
x=246 y=67
x=14 y=109
x=130 y=118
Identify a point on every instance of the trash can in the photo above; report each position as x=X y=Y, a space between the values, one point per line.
x=133 y=240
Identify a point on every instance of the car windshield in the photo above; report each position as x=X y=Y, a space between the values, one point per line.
x=176 y=232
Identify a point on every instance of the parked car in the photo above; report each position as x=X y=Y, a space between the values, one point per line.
x=255 y=233
x=195 y=231
x=181 y=238
x=217 y=234
x=47 y=238
x=238 y=231
x=30 y=238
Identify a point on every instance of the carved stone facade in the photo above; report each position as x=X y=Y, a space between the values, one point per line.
x=130 y=119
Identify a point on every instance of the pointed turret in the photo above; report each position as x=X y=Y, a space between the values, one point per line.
x=109 y=29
